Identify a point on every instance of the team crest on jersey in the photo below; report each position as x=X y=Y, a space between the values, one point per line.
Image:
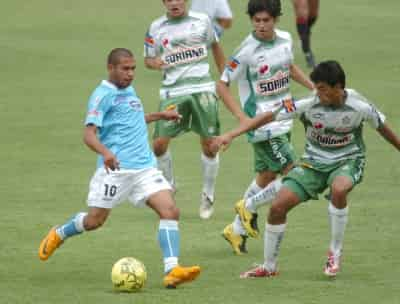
x=276 y=84
x=185 y=55
x=264 y=69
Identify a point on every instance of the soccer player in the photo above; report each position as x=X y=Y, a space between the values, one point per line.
x=178 y=44
x=334 y=158
x=219 y=12
x=115 y=128
x=263 y=66
x=306 y=12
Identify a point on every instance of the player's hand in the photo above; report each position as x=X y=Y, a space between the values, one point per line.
x=171 y=113
x=221 y=142
x=110 y=162
x=159 y=63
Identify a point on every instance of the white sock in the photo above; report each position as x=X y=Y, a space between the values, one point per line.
x=237 y=224
x=263 y=197
x=272 y=240
x=252 y=189
x=338 y=220
x=164 y=163
x=210 y=170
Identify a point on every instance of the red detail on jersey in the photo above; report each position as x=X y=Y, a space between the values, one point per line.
x=149 y=40
x=318 y=125
x=264 y=69
x=165 y=42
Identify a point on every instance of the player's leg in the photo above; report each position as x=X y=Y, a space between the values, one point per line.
x=341 y=181
x=271 y=157
x=169 y=239
x=301 y=9
x=313 y=12
x=205 y=122
x=164 y=131
x=103 y=195
x=285 y=200
x=210 y=166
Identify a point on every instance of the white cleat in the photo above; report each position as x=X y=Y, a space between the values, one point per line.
x=332 y=265
x=206 y=207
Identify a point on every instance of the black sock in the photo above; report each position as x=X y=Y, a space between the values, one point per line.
x=304 y=34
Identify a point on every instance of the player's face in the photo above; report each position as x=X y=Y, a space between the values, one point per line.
x=329 y=95
x=264 y=25
x=122 y=73
x=175 y=8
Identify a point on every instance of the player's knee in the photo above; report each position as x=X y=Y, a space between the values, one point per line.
x=277 y=213
x=170 y=213
x=160 y=147
x=339 y=191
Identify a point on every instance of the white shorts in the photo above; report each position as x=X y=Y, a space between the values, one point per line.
x=107 y=190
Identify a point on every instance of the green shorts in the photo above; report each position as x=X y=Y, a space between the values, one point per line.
x=199 y=114
x=274 y=154
x=307 y=182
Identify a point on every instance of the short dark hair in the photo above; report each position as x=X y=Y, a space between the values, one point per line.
x=272 y=7
x=329 y=72
x=115 y=55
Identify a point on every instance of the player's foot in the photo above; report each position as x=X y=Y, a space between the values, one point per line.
x=248 y=219
x=179 y=275
x=206 y=207
x=332 y=265
x=310 y=59
x=49 y=244
x=237 y=241
x=258 y=271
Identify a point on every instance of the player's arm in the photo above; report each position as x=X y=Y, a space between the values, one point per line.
x=229 y=101
x=219 y=56
x=300 y=77
x=225 y=23
x=154 y=63
x=169 y=114
x=91 y=140
x=387 y=133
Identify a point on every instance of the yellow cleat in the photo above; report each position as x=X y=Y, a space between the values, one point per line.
x=248 y=219
x=237 y=241
x=179 y=275
x=49 y=244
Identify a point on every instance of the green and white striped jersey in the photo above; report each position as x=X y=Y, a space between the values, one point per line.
x=262 y=70
x=183 y=45
x=333 y=134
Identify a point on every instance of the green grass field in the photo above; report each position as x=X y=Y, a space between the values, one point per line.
x=52 y=57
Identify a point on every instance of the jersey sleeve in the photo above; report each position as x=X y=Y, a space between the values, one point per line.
x=98 y=106
x=212 y=35
x=373 y=116
x=223 y=10
x=150 y=43
x=235 y=66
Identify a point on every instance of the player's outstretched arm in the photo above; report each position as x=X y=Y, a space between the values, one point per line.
x=223 y=141
x=300 y=77
x=230 y=102
x=169 y=114
x=91 y=140
x=388 y=134
x=219 y=56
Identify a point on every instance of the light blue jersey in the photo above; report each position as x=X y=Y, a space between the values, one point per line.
x=119 y=117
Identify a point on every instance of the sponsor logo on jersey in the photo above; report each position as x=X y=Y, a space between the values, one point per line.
x=276 y=84
x=232 y=64
x=289 y=105
x=165 y=42
x=185 y=55
x=329 y=140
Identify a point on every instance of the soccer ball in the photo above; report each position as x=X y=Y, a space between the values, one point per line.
x=128 y=274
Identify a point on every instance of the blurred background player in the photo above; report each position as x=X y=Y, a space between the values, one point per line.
x=219 y=12
x=306 y=12
x=126 y=167
x=334 y=158
x=178 y=44
x=262 y=65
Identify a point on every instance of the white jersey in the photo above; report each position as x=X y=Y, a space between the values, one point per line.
x=262 y=70
x=183 y=44
x=333 y=134
x=215 y=9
